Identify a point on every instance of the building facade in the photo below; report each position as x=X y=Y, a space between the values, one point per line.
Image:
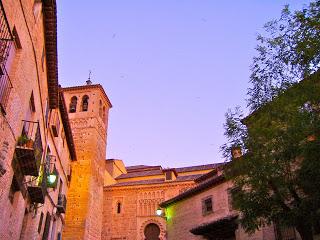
x=205 y=212
x=133 y=197
x=36 y=144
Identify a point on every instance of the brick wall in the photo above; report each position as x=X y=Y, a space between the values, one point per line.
x=84 y=216
x=138 y=207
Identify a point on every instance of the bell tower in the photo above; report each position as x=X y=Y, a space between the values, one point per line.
x=88 y=108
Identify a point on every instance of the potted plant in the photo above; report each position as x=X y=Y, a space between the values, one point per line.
x=29 y=143
x=22 y=140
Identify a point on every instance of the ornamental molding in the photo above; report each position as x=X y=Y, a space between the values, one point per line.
x=145 y=187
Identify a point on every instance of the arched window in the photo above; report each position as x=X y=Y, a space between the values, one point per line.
x=104 y=114
x=85 y=103
x=118 y=207
x=100 y=108
x=73 y=104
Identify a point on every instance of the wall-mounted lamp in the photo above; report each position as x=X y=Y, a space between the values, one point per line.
x=161 y=213
x=52 y=179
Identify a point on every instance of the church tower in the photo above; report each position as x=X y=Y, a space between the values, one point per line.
x=88 y=108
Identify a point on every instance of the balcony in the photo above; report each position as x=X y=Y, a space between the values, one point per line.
x=29 y=149
x=5 y=88
x=62 y=203
x=37 y=189
x=6 y=37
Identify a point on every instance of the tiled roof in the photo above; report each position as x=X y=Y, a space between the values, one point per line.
x=140 y=174
x=197 y=189
x=88 y=87
x=198 y=168
x=134 y=171
x=157 y=181
x=142 y=168
x=50 y=34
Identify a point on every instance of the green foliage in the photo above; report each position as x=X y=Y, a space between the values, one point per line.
x=289 y=52
x=278 y=177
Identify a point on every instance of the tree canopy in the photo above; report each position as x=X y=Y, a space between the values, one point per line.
x=277 y=179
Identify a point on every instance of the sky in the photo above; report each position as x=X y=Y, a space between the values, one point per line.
x=171 y=69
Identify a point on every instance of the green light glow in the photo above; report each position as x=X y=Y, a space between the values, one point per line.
x=52 y=178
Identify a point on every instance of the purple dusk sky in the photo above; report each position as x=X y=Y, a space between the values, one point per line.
x=171 y=69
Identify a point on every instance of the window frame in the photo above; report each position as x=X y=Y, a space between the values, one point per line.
x=204 y=201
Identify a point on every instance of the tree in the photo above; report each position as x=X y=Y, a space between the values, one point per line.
x=277 y=179
x=287 y=54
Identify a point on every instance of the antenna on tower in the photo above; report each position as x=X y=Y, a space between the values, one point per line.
x=89 y=78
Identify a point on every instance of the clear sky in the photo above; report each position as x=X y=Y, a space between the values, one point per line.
x=171 y=69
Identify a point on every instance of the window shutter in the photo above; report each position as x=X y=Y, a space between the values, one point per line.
x=46 y=227
x=203 y=208
x=40 y=222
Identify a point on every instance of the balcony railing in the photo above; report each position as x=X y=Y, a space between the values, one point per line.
x=6 y=37
x=37 y=188
x=29 y=149
x=5 y=88
x=62 y=203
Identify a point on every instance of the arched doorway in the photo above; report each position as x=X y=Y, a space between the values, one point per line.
x=152 y=232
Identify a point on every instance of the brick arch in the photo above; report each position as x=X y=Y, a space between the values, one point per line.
x=162 y=235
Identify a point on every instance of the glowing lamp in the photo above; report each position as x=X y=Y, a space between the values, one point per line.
x=159 y=212
x=52 y=179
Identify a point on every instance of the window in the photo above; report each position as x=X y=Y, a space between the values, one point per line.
x=168 y=175
x=207 y=207
x=104 y=114
x=118 y=207
x=16 y=38
x=37 y=9
x=31 y=103
x=40 y=222
x=46 y=227
x=85 y=103
x=100 y=108
x=13 y=188
x=47 y=113
x=73 y=104
x=42 y=59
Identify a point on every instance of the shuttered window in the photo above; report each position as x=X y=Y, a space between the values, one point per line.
x=46 y=227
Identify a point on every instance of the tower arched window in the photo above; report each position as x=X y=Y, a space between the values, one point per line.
x=73 y=104
x=100 y=108
x=104 y=114
x=85 y=103
x=118 y=207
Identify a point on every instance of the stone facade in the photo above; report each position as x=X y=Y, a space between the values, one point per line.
x=31 y=123
x=139 y=190
x=189 y=216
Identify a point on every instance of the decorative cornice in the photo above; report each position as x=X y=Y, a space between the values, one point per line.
x=138 y=187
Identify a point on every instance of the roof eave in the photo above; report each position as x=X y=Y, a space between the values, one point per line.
x=67 y=127
x=50 y=35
